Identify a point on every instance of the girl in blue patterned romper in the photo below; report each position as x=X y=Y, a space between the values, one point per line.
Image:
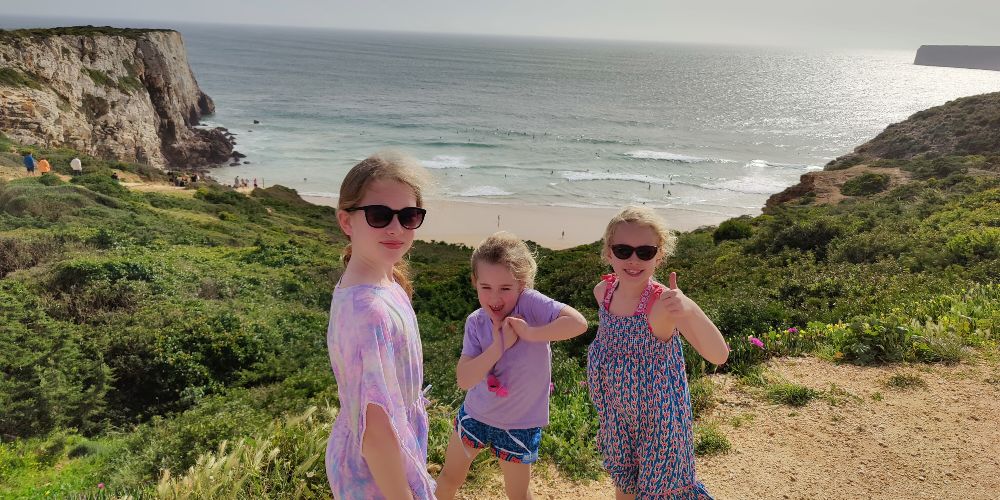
x=635 y=365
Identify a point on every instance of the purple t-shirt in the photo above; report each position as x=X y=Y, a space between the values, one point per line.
x=525 y=369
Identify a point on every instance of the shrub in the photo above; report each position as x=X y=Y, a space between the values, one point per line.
x=733 y=229
x=865 y=184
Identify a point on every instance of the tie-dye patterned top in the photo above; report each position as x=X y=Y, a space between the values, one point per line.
x=376 y=356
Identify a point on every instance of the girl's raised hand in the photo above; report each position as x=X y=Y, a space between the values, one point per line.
x=674 y=301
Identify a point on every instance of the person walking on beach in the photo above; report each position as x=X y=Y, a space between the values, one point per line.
x=75 y=166
x=506 y=367
x=378 y=444
x=29 y=163
x=635 y=365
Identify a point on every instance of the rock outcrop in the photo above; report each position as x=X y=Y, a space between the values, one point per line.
x=112 y=93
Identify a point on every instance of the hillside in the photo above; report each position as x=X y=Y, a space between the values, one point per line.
x=146 y=331
x=960 y=136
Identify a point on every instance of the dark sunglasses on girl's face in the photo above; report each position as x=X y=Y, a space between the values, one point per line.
x=379 y=216
x=644 y=252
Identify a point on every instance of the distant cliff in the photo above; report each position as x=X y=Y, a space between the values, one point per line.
x=125 y=94
x=961 y=134
x=959 y=56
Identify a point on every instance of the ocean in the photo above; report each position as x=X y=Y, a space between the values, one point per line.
x=531 y=121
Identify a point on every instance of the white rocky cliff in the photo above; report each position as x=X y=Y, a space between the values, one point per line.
x=111 y=93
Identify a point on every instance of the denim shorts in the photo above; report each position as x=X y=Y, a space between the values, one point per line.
x=514 y=445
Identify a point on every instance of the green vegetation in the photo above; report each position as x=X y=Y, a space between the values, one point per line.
x=865 y=184
x=13 y=36
x=905 y=381
x=145 y=332
x=791 y=394
x=127 y=84
x=12 y=77
x=709 y=440
x=965 y=126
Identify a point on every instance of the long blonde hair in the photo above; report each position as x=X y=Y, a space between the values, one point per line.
x=642 y=216
x=384 y=165
x=508 y=250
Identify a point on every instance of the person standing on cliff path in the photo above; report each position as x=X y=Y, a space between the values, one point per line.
x=29 y=163
x=44 y=167
x=76 y=166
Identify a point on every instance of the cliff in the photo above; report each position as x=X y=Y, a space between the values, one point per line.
x=959 y=56
x=111 y=93
x=960 y=135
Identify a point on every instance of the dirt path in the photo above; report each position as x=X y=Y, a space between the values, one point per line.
x=936 y=438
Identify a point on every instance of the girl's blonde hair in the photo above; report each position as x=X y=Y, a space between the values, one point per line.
x=384 y=165
x=666 y=241
x=508 y=250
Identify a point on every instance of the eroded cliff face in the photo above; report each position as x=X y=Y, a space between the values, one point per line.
x=116 y=94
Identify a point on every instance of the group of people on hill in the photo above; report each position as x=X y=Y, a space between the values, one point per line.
x=182 y=179
x=43 y=166
x=635 y=365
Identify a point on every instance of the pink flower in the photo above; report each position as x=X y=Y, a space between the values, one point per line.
x=756 y=341
x=100 y=486
x=793 y=330
x=494 y=386
x=583 y=383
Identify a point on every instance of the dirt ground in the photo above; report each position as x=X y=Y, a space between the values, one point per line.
x=862 y=438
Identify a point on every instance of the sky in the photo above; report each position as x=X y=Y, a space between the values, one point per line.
x=897 y=24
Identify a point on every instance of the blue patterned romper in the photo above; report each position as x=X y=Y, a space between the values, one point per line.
x=639 y=388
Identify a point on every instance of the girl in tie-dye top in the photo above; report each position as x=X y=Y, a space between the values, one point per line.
x=378 y=446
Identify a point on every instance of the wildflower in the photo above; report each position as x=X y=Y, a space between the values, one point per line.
x=100 y=486
x=756 y=341
x=583 y=383
x=793 y=330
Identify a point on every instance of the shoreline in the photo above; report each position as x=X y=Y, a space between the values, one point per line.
x=553 y=227
x=469 y=222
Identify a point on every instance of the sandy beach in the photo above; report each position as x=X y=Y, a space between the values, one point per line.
x=554 y=227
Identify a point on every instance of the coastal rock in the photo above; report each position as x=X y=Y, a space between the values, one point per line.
x=959 y=56
x=111 y=93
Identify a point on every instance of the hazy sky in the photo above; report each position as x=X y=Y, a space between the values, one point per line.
x=832 y=23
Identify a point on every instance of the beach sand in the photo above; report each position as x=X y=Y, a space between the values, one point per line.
x=469 y=222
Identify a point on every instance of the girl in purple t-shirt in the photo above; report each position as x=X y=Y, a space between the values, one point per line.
x=506 y=366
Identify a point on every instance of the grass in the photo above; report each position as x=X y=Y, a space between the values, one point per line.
x=740 y=420
x=791 y=394
x=12 y=77
x=702 y=396
x=709 y=440
x=903 y=381
x=838 y=396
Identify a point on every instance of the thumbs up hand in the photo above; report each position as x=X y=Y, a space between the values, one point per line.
x=674 y=302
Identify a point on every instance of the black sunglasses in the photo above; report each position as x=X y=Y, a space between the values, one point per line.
x=379 y=216
x=644 y=252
